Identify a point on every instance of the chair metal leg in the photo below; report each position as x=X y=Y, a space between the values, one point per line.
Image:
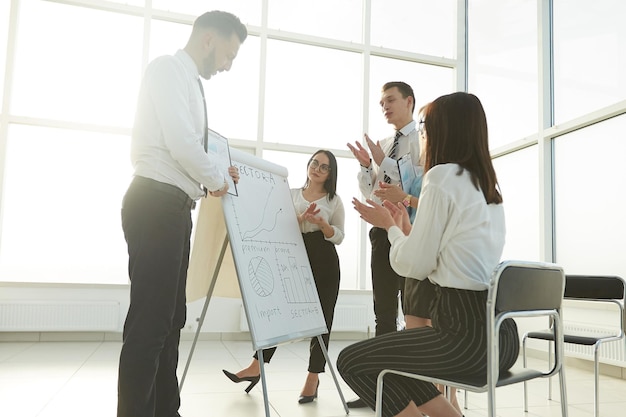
x=549 y=365
x=525 y=382
x=465 y=400
x=491 y=397
x=563 y=392
x=596 y=371
x=550 y=360
x=379 y=393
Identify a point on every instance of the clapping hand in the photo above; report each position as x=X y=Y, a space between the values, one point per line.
x=390 y=192
x=374 y=213
x=361 y=154
x=310 y=215
x=377 y=152
x=400 y=216
x=383 y=215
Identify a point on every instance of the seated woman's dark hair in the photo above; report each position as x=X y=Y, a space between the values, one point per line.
x=456 y=130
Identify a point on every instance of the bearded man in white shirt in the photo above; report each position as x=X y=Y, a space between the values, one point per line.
x=172 y=171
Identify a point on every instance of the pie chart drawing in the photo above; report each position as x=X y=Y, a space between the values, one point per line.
x=261 y=276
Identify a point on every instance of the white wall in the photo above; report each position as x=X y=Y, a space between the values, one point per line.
x=223 y=314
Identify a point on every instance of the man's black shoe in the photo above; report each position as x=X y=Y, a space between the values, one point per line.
x=356 y=403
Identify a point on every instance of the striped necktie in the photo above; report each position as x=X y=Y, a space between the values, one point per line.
x=393 y=152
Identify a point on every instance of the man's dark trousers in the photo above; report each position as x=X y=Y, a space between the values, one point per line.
x=385 y=283
x=156 y=219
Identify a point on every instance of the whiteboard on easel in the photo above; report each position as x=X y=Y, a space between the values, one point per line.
x=277 y=286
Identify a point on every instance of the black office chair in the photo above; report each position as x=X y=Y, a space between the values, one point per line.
x=601 y=289
x=517 y=289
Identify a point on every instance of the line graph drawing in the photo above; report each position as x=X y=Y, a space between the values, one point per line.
x=249 y=234
x=267 y=222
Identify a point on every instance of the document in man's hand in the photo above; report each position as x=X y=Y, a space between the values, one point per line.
x=407 y=172
x=218 y=147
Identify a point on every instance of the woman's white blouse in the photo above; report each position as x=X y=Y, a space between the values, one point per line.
x=457 y=238
x=330 y=210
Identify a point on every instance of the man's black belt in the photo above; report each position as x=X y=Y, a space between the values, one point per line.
x=167 y=189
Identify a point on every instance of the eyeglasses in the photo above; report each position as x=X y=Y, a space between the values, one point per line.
x=421 y=127
x=314 y=164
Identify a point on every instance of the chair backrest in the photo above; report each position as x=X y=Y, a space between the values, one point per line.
x=525 y=286
x=603 y=288
x=594 y=287
x=523 y=289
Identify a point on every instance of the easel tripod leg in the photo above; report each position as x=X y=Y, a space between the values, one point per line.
x=218 y=265
x=264 y=385
x=332 y=372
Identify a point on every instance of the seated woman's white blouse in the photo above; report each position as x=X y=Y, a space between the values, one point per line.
x=330 y=210
x=457 y=238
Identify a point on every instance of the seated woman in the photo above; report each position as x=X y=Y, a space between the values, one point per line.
x=455 y=242
x=418 y=294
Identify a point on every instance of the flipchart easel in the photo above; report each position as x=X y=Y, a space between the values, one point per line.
x=267 y=259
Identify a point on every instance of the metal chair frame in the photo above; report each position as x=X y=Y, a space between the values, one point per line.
x=517 y=289
x=602 y=289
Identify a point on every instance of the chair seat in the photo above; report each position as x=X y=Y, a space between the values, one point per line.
x=601 y=290
x=517 y=289
x=512 y=376
x=578 y=339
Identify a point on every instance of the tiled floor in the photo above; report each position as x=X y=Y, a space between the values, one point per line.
x=54 y=379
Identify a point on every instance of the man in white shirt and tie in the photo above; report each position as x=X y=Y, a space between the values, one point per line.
x=397 y=104
x=172 y=171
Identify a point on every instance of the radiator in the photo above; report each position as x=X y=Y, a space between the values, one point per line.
x=351 y=318
x=612 y=353
x=42 y=316
x=348 y=318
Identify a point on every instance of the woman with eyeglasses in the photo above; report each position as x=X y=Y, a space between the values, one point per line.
x=455 y=242
x=321 y=217
x=418 y=295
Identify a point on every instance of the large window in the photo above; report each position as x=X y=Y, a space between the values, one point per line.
x=342 y=20
x=296 y=86
x=62 y=197
x=421 y=26
x=561 y=195
x=70 y=65
x=518 y=176
x=589 y=56
x=503 y=66
x=589 y=199
x=232 y=99
x=167 y=37
x=249 y=11
x=313 y=95
x=4 y=23
x=70 y=73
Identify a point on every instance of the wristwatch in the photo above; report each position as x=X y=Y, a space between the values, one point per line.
x=407 y=200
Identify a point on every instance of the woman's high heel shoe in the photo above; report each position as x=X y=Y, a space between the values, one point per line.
x=308 y=398
x=252 y=379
